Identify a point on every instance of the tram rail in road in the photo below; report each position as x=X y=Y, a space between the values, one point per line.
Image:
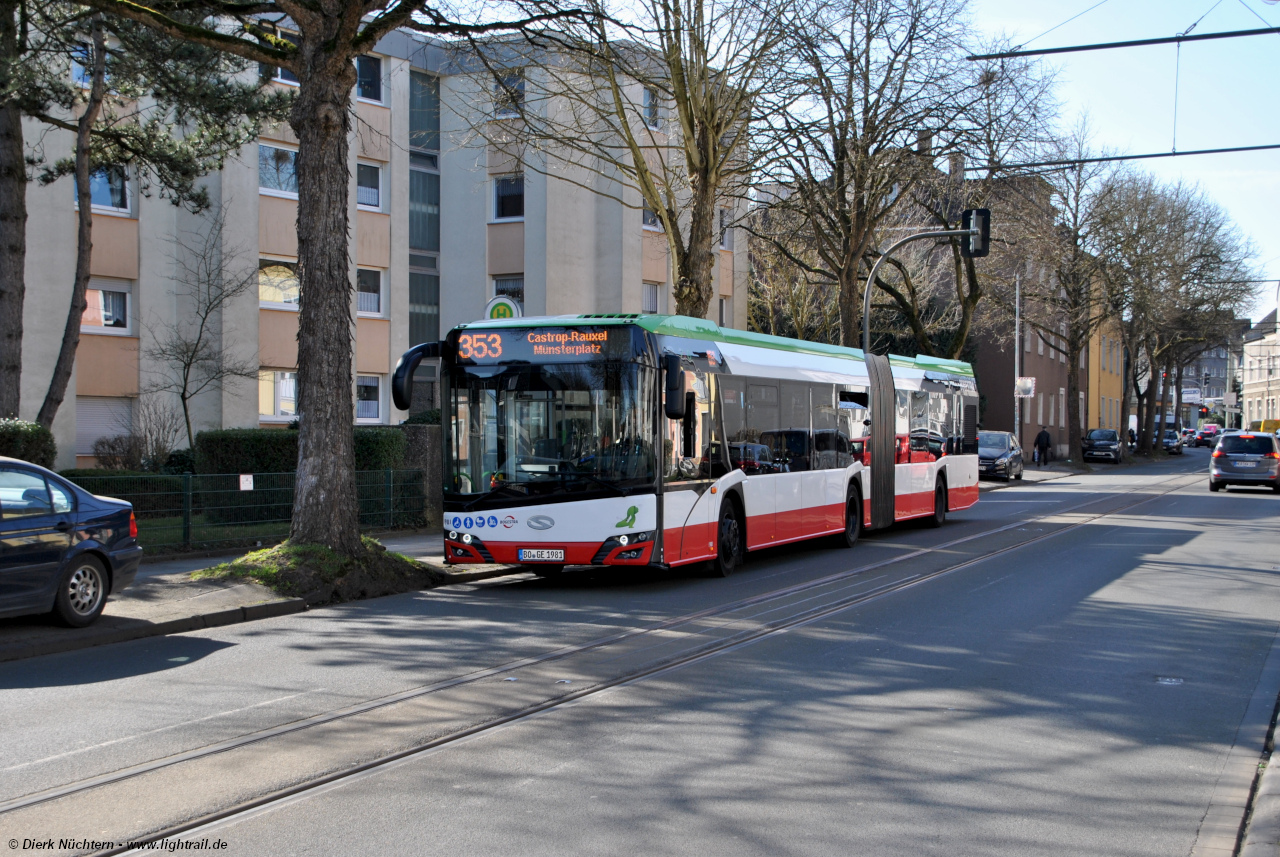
x=620 y=659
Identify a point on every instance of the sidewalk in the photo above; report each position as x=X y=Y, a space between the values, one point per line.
x=165 y=600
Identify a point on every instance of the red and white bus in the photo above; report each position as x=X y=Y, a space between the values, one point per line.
x=667 y=440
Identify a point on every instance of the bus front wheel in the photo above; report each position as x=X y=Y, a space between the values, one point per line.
x=729 y=537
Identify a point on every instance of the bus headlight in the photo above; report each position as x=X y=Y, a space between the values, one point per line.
x=623 y=540
x=466 y=538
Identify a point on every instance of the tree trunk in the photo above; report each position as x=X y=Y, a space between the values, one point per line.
x=1149 y=411
x=13 y=227
x=84 y=238
x=850 y=308
x=1177 y=393
x=694 y=267
x=1074 y=448
x=1157 y=442
x=325 y=510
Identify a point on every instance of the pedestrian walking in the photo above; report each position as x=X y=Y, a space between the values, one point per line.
x=1043 y=442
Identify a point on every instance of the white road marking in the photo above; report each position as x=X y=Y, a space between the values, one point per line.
x=151 y=732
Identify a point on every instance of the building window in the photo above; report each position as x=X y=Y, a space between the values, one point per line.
x=281 y=75
x=508 y=197
x=424 y=211
x=650 y=109
x=368 y=398
x=82 y=65
x=108 y=189
x=99 y=417
x=368 y=291
x=726 y=229
x=277 y=394
x=277 y=171
x=649 y=297
x=1040 y=343
x=424 y=111
x=369 y=186
x=508 y=94
x=724 y=316
x=649 y=218
x=369 y=78
x=278 y=284
x=1062 y=409
x=509 y=287
x=1027 y=348
x=424 y=301
x=107 y=307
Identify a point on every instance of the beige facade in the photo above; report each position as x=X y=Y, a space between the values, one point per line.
x=429 y=249
x=1106 y=361
x=1260 y=399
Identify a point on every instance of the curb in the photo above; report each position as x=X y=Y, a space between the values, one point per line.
x=140 y=628
x=137 y=629
x=1262 y=839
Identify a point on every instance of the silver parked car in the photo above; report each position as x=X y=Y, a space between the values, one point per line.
x=1245 y=458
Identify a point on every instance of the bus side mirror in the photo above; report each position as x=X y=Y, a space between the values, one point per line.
x=674 y=403
x=402 y=379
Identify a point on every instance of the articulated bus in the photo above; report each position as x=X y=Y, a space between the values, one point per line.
x=667 y=440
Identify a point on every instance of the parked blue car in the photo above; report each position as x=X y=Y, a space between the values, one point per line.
x=62 y=549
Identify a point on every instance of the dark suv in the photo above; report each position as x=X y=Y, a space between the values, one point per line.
x=1102 y=443
x=1245 y=459
x=62 y=549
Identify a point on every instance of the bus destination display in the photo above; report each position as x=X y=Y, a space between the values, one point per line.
x=544 y=345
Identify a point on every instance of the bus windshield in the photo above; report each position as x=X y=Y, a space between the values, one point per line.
x=542 y=433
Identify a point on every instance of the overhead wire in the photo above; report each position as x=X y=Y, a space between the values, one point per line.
x=1063 y=24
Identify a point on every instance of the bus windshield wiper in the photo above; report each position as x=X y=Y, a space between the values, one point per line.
x=506 y=486
x=609 y=485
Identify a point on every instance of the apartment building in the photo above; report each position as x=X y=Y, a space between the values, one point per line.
x=994 y=368
x=440 y=225
x=1106 y=360
x=1260 y=399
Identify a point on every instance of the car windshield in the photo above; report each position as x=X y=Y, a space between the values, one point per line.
x=565 y=430
x=1246 y=445
x=1171 y=435
x=1102 y=434
x=993 y=441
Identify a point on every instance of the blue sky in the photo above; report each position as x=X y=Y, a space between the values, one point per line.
x=1227 y=95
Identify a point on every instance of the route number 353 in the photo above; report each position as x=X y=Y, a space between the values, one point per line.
x=479 y=346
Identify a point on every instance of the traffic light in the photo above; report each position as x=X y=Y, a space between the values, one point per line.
x=1204 y=411
x=977 y=222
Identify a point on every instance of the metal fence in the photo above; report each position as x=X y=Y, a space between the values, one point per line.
x=201 y=511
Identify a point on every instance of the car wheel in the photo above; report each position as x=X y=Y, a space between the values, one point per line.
x=82 y=592
x=1214 y=486
x=729 y=549
x=939 y=516
x=1019 y=476
x=852 y=519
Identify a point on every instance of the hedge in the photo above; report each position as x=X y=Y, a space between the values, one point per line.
x=151 y=495
x=276 y=450
x=28 y=441
x=262 y=451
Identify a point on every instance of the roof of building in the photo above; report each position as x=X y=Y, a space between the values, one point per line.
x=699 y=328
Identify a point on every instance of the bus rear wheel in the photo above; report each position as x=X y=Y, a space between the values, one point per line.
x=939 y=516
x=852 y=519
x=729 y=538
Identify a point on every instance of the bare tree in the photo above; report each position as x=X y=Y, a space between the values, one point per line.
x=851 y=136
x=196 y=353
x=652 y=100
x=1006 y=120
x=1066 y=301
x=1177 y=271
x=330 y=35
